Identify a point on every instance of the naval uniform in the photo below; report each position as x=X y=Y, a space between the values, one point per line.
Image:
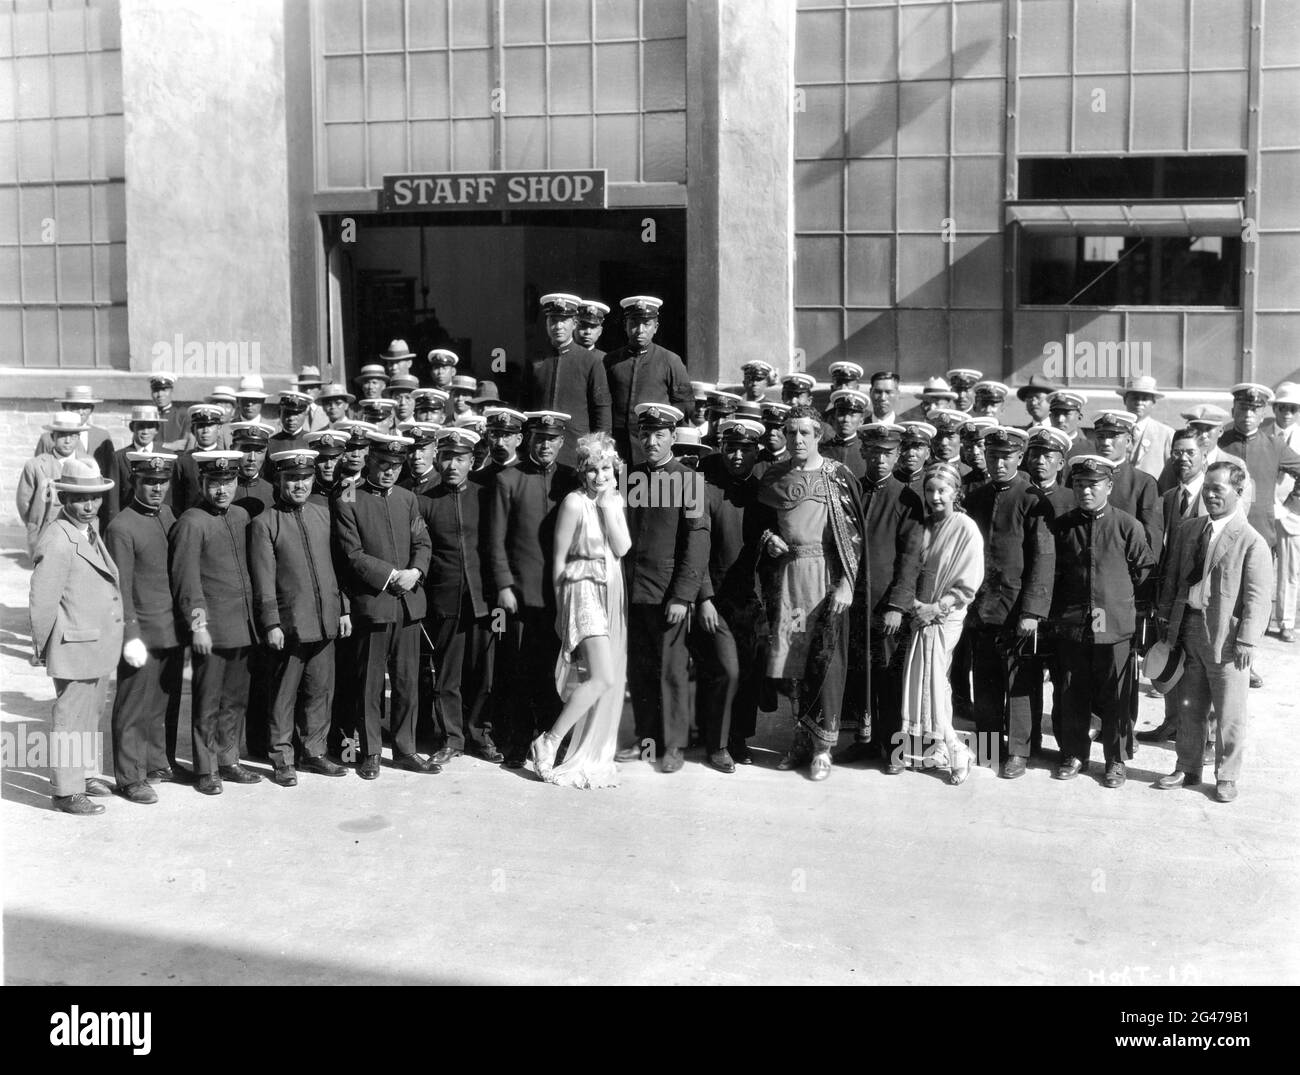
x=254 y=495
x=655 y=375
x=147 y=706
x=571 y=380
x=1265 y=459
x=848 y=452
x=175 y=425
x=1054 y=501
x=1134 y=491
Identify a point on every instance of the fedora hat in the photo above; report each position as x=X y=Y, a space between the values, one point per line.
x=1163 y=665
x=81 y=476
x=1036 y=384
x=396 y=352
x=1287 y=392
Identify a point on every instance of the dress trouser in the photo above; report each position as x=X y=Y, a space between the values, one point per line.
x=261 y=692
x=1095 y=677
x=1003 y=689
x=959 y=674
x=524 y=694
x=1210 y=685
x=729 y=678
x=146 y=709
x=74 y=744
x=218 y=703
x=459 y=652
x=392 y=648
x=1288 y=580
x=888 y=663
x=342 y=739
x=657 y=676
x=302 y=679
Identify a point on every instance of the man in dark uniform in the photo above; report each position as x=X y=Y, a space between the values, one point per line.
x=847 y=411
x=590 y=324
x=1104 y=578
x=144 y=425
x=945 y=445
x=208 y=565
x=913 y=455
x=1016 y=594
x=669 y=528
x=456 y=514
x=757 y=377
x=300 y=610
x=962 y=382
x=505 y=433
x=293 y=430
x=430 y=405
x=974 y=473
x=773 y=448
x=845 y=375
x=442 y=367
x=797 y=389
x=641 y=371
x=974 y=467
x=383 y=545
x=205 y=425
x=175 y=420
x=253 y=492
x=990 y=396
x=728 y=634
x=147 y=706
x=521 y=529
x=329 y=446
x=421 y=472
x=1132 y=490
x=893 y=519
x=1066 y=412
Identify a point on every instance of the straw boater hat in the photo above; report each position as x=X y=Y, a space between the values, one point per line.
x=65 y=422
x=81 y=476
x=79 y=395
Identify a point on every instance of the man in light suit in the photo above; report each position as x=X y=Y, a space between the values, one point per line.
x=1215 y=602
x=1151 y=440
x=76 y=614
x=92 y=442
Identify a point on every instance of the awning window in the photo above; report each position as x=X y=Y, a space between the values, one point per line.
x=1217 y=216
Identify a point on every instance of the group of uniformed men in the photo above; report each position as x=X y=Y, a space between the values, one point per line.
x=402 y=535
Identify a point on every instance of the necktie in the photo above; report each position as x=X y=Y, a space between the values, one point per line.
x=1183 y=501
x=1197 y=571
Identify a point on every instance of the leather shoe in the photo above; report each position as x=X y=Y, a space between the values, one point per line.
x=413 y=763
x=791 y=759
x=161 y=776
x=443 y=756
x=237 y=774
x=1225 y=791
x=1013 y=767
x=98 y=786
x=369 y=768
x=673 y=760
x=1167 y=731
x=722 y=761
x=514 y=763
x=1069 y=769
x=1256 y=680
x=286 y=776
x=1115 y=775
x=140 y=793
x=820 y=766
x=856 y=752
x=1286 y=634
x=488 y=752
x=77 y=804
x=894 y=766
x=321 y=766
x=1178 y=779
x=741 y=754
x=209 y=784
x=628 y=754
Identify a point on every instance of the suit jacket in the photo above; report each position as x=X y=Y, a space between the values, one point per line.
x=572 y=381
x=75 y=603
x=1240 y=583
x=657 y=376
x=457 y=521
x=1019 y=553
x=137 y=541
x=99 y=447
x=521 y=530
x=37 y=501
x=208 y=562
x=1152 y=443
x=670 y=545
x=1171 y=520
x=377 y=532
x=292 y=564
x=1134 y=491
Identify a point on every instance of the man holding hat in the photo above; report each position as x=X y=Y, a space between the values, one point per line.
x=75 y=604
x=147 y=705
x=568 y=377
x=664 y=570
x=521 y=529
x=37 y=499
x=1066 y=412
x=144 y=425
x=175 y=420
x=757 y=377
x=847 y=411
x=397 y=359
x=641 y=370
x=590 y=324
x=383 y=544
x=1150 y=440
x=442 y=367
x=935 y=394
x=989 y=398
x=1036 y=396
x=962 y=382
x=1105 y=574
x=92 y=442
x=300 y=611
x=208 y=565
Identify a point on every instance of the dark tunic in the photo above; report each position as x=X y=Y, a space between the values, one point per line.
x=1019 y=556
x=848 y=452
x=137 y=541
x=521 y=530
x=670 y=545
x=294 y=584
x=377 y=532
x=571 y=380
x=655 y=376
x=456 y=518
x=1104 y=571
x=1134 y=491
x=208 y=563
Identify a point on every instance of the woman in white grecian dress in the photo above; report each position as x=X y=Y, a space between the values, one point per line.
x=591 y=538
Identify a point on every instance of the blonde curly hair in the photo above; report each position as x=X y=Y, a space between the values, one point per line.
x=596 y=449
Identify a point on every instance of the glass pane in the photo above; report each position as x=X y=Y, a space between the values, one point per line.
x=1279 y=181
x=11 y=326
x=923 y=114
x=977 y=194
x=383 y=24
x=1219 y=111
x=924 y=49
x=7 y=101
x=10 y=274
x=1043 y=125
x=1282 y=35
x=428 y=89
x=472 y=145
x=870 y=195
x=105 y=82
x=8 y=215
x=665 y=74
x=68 y=29
x=925 y=203
x=571 y=79
x=105 y=282
x=525 y=23
x=8 y=152
x=345 y=156
x=872 y=52
x=872 y=120
x=819 y=47
x=75 y=274
x=78 y=337
x=1160 y=112
x=871 y=336
x=72 y=205
x=1163 y=331
x=922 y=271
x=33 y=75
x=979 y=40
x=341 y=23
x=38 y=273
x=37 y=211
x=471 y=80
x=525 y=82
x=976 y=342
x=1277 y=340
x=112 y=324
x=818 y=271
x=870 y=270
x=31 y=33
x=818 y=191
x=106 y=147
x=525 y=143
x=977 y=271
x=571 y=142
x=1278 y=271
x=343 y=89
x=386 y=87
x=430 y=148
x=664 y=18
x=387 y=150
x=617 y=81
x=977 y=125
x=1221 y=32
x=818 y=333
x=1160 y=35
x=819 y=127
x=616 y=18
x=1101 y=38
x=618 y=143
x=108 y=211
x=470 y=20
x=1100 y=122
x=1044 y=44
x=103 y=25
x=665 y=147
x=1279 y=108
x=1031 y=332
x=922 y=337
x=71 y=148
x=41 y=333
x=570 y=20
x=427 y=24
x=69 y=77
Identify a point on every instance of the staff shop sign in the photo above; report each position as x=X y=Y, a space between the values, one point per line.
x=494 y=190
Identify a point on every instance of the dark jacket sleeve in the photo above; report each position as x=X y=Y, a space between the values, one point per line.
x=600 y=406
x=121 y=547
x=498 y=531
x=680 y=393
x=1151 y=514
x=1040 y=563
x=1142 y=569
x=261 y=565
x=907 y=553
x=421 y=544
x=185 y=548
x=692 y=551
x=371 y=570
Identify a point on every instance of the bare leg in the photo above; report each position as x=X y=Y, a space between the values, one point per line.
x=600 y=677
